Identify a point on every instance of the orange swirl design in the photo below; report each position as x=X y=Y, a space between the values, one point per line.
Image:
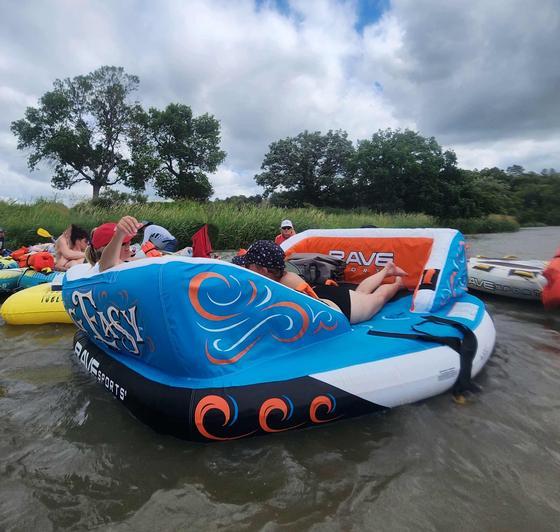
x=326 y=327
x=301 y=312
x=269 y=406
x=194 y=288
x=318 y=402
x=205 y=405
x=452 y=283
x=254 y=294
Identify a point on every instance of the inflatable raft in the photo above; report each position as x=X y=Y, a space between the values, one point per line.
x=521 y=279
x=206 y=350
x=13 y=279
x=35 y=306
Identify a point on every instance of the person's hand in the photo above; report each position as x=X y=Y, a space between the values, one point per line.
x=128 y=226
x=392 y=269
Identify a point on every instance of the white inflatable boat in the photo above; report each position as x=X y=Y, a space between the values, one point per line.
x=511 y=277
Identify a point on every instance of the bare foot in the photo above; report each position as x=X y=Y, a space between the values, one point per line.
x=393 y=270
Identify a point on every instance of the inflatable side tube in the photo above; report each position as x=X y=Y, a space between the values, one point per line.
x=195 y=318
x=220 y=414
x=35 y=306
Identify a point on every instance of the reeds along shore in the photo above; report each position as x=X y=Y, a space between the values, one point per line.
x=231 y=225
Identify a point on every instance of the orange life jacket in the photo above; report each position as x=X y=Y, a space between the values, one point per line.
x=150 y=250
x=19 y=254
x=42 y=261
x=551 y=292
x=305 y=288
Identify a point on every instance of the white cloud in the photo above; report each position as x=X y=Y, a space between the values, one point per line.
x=482 y=77
x=535 y=154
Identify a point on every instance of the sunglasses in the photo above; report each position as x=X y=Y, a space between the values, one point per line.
x=287 y=227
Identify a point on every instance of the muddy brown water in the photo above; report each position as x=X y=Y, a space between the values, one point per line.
x=73 y=458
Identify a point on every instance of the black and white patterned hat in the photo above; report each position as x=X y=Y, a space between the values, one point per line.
x=265 y=253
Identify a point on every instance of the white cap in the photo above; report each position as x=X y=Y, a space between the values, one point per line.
x=287 y=223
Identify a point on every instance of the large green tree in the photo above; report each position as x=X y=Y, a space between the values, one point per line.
x=80 y=127
x=402 y=170
x=307 y=168
x=175 y=150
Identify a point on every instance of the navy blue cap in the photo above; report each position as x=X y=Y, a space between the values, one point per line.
x=264 y=253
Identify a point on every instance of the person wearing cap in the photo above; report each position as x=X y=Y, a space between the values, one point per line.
x=267 y=258
x=110 y=243
x=159 y=236
x=287 y=230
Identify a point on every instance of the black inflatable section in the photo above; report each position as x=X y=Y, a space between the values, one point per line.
x=219 y=414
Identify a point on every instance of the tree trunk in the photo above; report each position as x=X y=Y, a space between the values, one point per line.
x=96 y=189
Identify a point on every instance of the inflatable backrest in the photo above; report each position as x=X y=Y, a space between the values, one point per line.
x=435 y=259
x=196 y=318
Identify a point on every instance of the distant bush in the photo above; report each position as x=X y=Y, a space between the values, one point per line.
x=493 y=223
x=533 y=224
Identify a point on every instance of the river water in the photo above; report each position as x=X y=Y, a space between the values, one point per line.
x=73 y=458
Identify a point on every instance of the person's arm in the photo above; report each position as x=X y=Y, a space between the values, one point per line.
x=128 y=225
x=63 y=247
x=66 y=251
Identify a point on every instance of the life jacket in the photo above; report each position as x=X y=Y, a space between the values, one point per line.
x=20 y=254
x=304 y=288
x=150 y=250
x=551 y=292
x=42 y=261
x=316 y=268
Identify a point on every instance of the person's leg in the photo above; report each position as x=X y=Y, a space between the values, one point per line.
x=170 y=246
x=66 y=266
x=369 y=284
x=364 y=306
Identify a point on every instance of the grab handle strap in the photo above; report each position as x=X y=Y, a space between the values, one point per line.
x=466 y=346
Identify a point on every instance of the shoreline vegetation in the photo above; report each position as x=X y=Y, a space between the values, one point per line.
x=232 y=226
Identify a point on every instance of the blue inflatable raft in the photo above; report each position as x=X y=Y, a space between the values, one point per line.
x=206 y=350
x=13 y=279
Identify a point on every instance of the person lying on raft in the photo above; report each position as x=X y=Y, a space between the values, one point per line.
x=110 y=243
x=70 y=247
x=159 y=236
x=267 y=258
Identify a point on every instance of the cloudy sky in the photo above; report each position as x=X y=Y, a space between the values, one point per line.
x=481 y=76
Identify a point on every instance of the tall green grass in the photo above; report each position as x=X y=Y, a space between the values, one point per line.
x=232 y=226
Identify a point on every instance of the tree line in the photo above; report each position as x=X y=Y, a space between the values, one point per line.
x=401 y=171
x=91 y=130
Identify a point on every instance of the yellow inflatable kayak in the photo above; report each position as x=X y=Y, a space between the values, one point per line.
x=34 y=306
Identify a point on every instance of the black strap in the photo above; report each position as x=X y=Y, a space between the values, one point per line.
x=465 y=346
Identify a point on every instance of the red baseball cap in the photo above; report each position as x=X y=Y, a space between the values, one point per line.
x=103 y=234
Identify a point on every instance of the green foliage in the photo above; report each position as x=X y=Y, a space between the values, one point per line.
x=79 y=127
x=175 y=150
x=242 y=200
x=401 y=170
x=110 y=198
x=537 y=197
x=306 y=169
x=493 y=223
x=231 y=225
